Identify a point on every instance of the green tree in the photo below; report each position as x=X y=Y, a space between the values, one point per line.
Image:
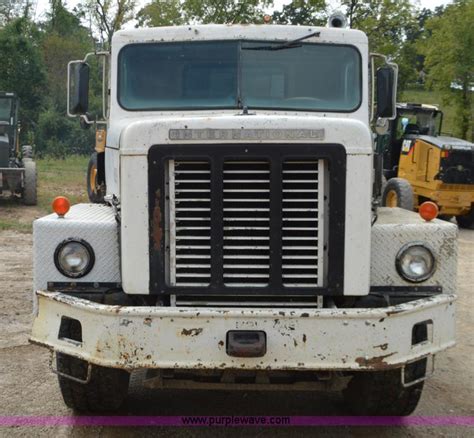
x=386 y=23
x=175 y=12
x=64 y=39
x=304 y=12
x=449 y=61
x=22 y=68
x=12 y=9
x=108 y=16
x=160 y=13
x=225 y=11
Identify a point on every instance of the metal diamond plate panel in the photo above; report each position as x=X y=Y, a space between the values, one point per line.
x=396 y=227
x=92 y=222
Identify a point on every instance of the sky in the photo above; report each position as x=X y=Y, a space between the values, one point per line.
x=42 y=6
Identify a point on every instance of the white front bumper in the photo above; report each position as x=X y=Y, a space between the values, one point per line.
x=299 y=339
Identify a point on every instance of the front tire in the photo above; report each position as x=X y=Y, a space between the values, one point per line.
x=398 y=193
x=105 y=392
x=30 y=194
x=382 y=392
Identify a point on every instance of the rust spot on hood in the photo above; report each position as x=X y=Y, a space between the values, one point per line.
x=157 y=229
x=375 y=363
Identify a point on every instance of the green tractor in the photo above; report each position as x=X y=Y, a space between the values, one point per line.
x=17 y=168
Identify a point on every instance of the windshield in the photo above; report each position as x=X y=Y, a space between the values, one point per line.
x=235 y=74
x=5 y=109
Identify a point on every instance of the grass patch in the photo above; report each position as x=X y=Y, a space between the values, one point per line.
x=9 y=224
x=55 y=177
x=62 y=177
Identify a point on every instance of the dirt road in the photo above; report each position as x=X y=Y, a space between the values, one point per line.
x=27 y=387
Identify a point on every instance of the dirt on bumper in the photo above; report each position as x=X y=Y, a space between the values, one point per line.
x=195 y=338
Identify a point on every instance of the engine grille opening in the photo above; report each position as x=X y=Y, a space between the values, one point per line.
x=189 y=223
x=246 y=223
x=301 y=246
x=246 y=216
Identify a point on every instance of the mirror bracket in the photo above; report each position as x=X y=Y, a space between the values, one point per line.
x=85 y=120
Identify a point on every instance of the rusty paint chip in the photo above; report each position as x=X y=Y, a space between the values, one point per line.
x=157 y=229
x=376 y=362
x=191 y=332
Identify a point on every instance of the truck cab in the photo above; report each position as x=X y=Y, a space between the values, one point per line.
x=240 y=244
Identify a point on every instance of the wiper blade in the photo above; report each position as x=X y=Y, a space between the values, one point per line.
x=288 y=45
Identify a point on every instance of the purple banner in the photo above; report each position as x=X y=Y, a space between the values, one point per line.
x=233 y=421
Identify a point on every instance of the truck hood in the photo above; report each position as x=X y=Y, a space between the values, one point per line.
x=138 y=136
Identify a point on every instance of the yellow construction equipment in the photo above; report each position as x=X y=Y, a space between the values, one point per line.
x=422 y=165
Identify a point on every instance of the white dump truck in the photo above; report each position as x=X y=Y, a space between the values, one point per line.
x=240 y=243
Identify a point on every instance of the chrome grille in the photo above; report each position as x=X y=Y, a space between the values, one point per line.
x=189 y=223
x=246 y=237
x=301 y=187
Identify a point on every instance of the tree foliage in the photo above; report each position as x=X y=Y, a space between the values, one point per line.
x=161 y=13
x=22 y=68
x=386 y=23
x=12 y=9
x=109 y=16
x=173 y=12
x=303 y=12
x=449 y=52
x=225 y=11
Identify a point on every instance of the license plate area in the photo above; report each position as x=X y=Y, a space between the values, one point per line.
x=246 y=343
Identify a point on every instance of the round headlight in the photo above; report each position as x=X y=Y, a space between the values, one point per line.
x=415 y=262
x=74 y=258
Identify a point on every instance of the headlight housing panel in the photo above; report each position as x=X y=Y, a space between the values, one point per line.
x=74 y=258
x=415 y=262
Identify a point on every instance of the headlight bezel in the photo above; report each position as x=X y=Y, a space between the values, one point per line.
x=403 y=251
x=85 y=270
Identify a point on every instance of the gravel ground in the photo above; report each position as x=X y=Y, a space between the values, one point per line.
x=27 y=387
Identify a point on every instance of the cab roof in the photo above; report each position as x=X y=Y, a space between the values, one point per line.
x=209 y=32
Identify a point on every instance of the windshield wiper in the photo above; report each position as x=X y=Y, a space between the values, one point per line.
x=288 y=45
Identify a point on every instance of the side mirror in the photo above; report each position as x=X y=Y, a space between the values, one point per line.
x=386 y=92
x=78 y=88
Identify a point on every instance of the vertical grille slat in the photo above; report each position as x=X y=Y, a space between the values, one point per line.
x=257 y=204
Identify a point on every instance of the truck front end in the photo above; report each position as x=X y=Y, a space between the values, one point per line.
x=239 y=246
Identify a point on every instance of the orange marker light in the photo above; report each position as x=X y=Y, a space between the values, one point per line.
x=61 y=205
x=428 y=210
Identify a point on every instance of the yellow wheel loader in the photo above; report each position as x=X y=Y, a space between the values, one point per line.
x=422 y=165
